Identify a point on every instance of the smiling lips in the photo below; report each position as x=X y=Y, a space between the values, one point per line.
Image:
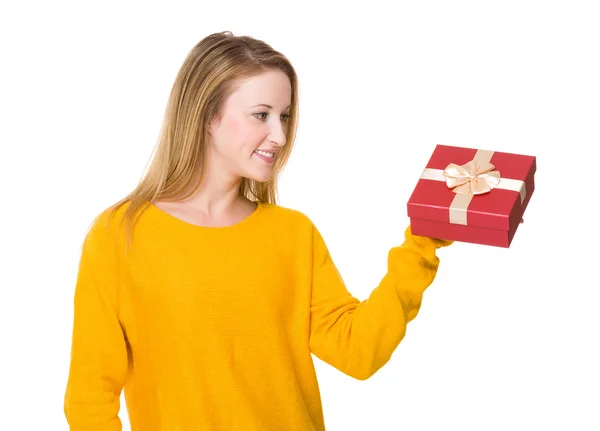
x=267 y=156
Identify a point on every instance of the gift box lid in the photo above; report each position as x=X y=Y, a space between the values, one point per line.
x=497 y=209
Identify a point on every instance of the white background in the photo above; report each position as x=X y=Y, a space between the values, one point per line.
x=507 y=339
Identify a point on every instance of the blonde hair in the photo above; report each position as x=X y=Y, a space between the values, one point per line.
x=203 y=84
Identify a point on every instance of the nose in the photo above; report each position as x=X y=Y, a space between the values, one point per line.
x=277 y=135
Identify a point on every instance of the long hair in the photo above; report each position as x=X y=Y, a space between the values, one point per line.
x=202 y=85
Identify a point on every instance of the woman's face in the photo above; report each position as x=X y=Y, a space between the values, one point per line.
x=254 y=118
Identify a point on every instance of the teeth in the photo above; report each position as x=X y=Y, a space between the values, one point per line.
x=264 y=153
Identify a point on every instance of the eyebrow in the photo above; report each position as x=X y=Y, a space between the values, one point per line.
x=267 y=106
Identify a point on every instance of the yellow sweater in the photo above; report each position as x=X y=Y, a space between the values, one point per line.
x=212 y=328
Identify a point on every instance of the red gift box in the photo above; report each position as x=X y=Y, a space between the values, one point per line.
x=472 y=195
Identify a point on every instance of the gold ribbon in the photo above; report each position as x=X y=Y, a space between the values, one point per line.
x=473 y=178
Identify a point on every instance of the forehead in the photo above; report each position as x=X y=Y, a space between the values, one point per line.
x=271 y=87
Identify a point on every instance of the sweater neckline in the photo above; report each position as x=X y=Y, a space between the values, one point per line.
x=171 y=219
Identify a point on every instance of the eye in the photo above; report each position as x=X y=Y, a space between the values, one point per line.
x=261 y=113
x=285 y=117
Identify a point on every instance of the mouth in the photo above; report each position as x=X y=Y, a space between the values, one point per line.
x=266 y=156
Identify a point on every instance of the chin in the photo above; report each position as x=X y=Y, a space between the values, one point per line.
x=260 y=178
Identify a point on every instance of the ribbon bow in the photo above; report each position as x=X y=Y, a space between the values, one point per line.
x=472 y=178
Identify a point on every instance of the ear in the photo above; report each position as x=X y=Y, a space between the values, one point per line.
x=210 y=128
x=212 y=124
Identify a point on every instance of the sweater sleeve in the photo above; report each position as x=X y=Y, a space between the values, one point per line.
x=98 y=363
x=359 y=337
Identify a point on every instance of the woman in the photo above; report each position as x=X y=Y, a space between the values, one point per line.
x=200 y=296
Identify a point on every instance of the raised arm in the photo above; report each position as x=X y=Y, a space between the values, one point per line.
x=359 y=337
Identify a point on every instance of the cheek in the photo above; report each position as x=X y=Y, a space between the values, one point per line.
x=228 y=134
x=239 y=132
x=244 y=135
x=230 y=128
x=238 y=135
